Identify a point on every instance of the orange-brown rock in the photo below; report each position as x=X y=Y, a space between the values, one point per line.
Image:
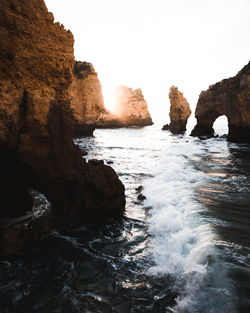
x=230 y=97
x=179 y=112
x=130 y=107
x=36 y=127
x=87 y=102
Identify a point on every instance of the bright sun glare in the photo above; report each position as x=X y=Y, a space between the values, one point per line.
x=154 y=44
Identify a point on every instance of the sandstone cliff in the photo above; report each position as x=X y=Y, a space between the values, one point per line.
x=87 y=102
x=36 y=147
x=230 y=97
x=179 y=111
x=130 y=107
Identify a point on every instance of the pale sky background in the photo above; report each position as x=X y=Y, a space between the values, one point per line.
x=154 y=44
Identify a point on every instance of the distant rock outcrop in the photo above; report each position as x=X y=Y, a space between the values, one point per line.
x=179 y=112
x=36 y=147
x=130 y=107
x=88 y=109
x=230 y=97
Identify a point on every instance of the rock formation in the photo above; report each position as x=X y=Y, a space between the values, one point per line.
x=179 y=112
x=87 y=102
x=230 y=97
x=130 y=107
x=36 y=147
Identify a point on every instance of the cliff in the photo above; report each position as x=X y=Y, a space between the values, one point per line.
x=36 y=147
x=179 y=111
x=230 y=97
x=87 y=102
x=130 y=107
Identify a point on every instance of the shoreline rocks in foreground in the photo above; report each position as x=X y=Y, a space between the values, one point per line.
x=179 y=112
x=230 y=97
x=36 y=146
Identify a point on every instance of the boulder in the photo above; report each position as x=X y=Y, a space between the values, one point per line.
x=230 y=97
x=179 y=112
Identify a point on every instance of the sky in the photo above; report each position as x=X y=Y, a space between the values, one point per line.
x=154 y=44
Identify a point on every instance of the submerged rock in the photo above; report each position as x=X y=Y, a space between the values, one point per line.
x=230 y=97
x=179 y=112
x=141 y=197
x=36 y=126
x=139 y=189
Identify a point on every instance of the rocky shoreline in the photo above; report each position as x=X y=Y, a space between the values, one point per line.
x=47 y=98
x=36 y=126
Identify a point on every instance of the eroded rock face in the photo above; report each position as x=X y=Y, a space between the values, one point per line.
x=87 y=102
x=230 y=97
x=179 y=112
x=131 y=107
x=36 y=126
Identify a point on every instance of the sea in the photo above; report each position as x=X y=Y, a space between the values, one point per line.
x=183 y=245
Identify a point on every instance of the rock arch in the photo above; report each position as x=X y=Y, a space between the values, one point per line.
x=230 y=97
x=220 y=126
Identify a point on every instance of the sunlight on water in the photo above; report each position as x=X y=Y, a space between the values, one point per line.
x=185 y=249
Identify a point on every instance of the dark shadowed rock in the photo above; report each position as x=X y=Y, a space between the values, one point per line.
x=37 y=150
x=14 y=241
x=230 y=97
x=165 y=127
x=141 y=197
x=139 y=189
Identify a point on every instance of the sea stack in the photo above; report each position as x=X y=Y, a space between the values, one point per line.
x=230 y=97
x=130 y=107
x=179 y=112
x=36 y=147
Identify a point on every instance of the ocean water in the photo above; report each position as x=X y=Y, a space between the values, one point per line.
x=185 y=248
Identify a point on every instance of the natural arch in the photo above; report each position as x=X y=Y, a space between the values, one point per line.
x=230 y=97
x=204 y=126
x=220 y=125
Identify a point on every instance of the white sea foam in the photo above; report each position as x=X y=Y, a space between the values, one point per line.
x=182 y=243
